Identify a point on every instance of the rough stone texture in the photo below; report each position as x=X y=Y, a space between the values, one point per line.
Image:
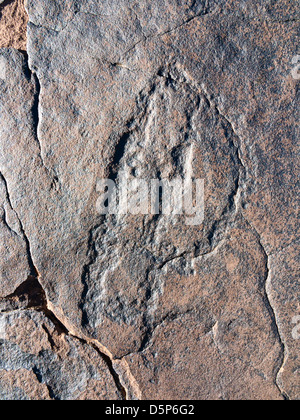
x=13 y=22
x=158 y=89
x=14 y=258
x=40 y=362
x=284 y=292
x=210 y=323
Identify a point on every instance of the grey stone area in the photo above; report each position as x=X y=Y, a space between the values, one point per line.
x=146 y=306
x=46 y=364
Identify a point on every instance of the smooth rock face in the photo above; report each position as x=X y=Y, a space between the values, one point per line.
x=150 y=306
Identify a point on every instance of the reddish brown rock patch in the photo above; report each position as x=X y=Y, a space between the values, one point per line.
x=13 y=23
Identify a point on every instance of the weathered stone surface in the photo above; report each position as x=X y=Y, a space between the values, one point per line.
x=14 y=259
x=157 y=90
x=40 y=362
x=228 y=324
x=283 y=288
x=13 y=21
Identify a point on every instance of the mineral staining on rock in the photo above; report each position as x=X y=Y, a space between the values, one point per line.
x=146 y=306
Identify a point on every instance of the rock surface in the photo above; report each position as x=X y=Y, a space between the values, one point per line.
x=40 y=362
x=149 y=306
x=13 y=22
